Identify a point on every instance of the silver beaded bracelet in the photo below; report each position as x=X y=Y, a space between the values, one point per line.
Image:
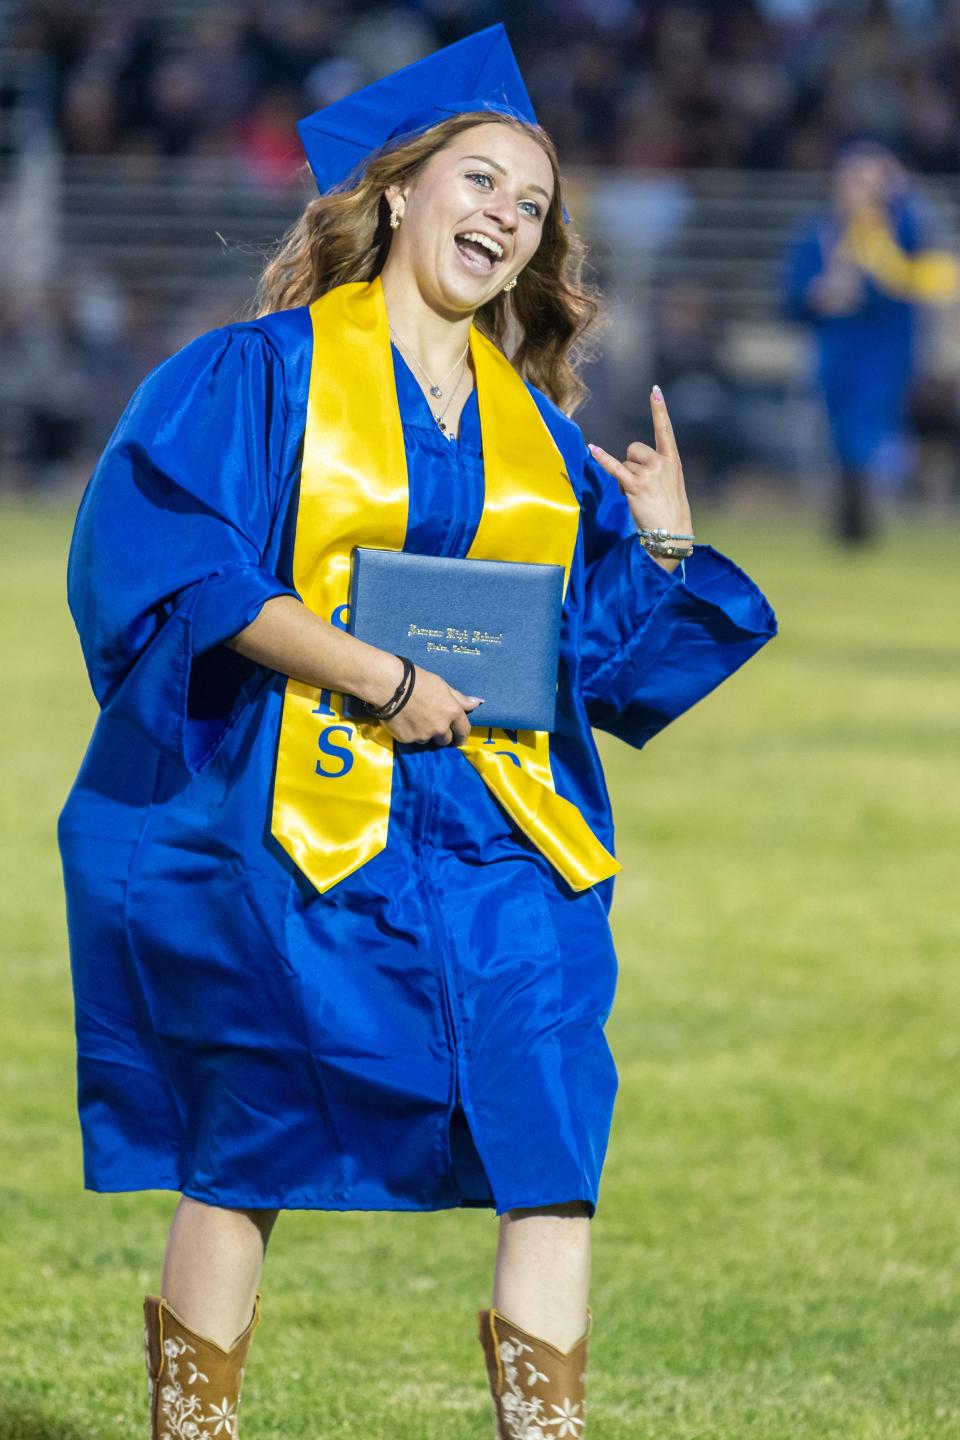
x=661 y=542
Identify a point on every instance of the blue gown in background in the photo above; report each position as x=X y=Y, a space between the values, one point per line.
x=429 y=1032
x=865 y=360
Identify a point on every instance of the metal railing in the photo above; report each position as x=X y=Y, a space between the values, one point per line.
x=175 y=226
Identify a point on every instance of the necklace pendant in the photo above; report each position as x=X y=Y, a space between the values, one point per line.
x=436 y=392
x=442 y=424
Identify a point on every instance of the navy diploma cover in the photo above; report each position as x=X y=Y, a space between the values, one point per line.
x=489 y=627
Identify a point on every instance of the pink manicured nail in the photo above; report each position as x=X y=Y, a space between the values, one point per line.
x=594 y=449
x=658 y=394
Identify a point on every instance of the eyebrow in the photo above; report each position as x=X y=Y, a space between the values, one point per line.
x=487 y=161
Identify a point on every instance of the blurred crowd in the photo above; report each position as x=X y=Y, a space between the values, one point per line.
x=642 y=85
x=647 y=83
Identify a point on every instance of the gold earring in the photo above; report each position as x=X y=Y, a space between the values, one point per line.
x=394 y=219
x=510 y=283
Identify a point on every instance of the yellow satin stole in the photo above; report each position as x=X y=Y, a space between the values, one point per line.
x=331 y=804
x=932 y=275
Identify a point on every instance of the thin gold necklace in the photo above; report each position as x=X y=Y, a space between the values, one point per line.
x=435 y=390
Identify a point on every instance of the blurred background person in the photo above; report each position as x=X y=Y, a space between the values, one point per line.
x=859 y=274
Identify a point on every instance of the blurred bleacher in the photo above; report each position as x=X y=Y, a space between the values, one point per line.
x=130 y=221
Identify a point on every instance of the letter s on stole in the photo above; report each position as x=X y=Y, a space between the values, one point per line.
x=338 y=752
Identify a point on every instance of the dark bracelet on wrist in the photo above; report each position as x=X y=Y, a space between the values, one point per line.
x=400 y=696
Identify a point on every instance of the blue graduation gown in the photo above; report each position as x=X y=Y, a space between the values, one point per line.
x=429 y=1032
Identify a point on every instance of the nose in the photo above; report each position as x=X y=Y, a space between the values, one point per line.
x=503 y=211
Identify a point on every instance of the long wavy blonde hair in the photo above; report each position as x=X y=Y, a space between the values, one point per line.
x=542 y=325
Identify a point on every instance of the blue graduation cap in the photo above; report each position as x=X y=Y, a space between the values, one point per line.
x=477 y=73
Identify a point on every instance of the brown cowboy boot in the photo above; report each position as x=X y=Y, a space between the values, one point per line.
x=193 y=1384
x=539 y=1392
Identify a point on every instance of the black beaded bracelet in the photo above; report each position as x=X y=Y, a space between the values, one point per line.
x=400 y=696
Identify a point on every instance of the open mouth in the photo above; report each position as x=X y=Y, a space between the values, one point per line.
x=479 y=253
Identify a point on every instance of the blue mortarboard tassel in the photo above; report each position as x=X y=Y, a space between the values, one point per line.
x=477 y=73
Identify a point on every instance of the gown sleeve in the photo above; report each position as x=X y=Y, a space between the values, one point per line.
x=167 y=555
x=654 y=642
x=802 y=263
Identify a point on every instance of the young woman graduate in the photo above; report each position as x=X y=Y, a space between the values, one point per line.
x=365 y=965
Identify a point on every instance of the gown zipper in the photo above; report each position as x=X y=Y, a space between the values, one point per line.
x=433 y=908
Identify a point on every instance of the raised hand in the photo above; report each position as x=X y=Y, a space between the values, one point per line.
x=840 y=289
x=652 y=478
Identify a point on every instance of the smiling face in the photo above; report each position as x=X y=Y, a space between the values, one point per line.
x=472 y=217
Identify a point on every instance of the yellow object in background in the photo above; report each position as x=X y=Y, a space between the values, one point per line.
x=932 y=276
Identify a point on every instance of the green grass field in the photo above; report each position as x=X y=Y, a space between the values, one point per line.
x=776 y=1245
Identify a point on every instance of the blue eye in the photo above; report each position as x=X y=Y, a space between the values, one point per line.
x=482 y=175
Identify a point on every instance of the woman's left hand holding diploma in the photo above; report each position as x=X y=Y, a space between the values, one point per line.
x=652 y=479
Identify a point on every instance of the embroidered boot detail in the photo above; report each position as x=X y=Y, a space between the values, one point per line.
x=539 y=1392
x=192 y=1383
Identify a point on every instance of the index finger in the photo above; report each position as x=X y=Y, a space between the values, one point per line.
x=466 y=702
x=461 y=728
x=662 y=428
